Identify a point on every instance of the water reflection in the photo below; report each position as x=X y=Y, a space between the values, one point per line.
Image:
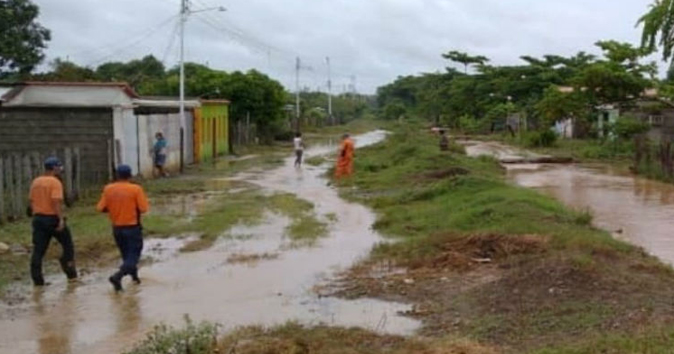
x=55 y=321
x=635 y=209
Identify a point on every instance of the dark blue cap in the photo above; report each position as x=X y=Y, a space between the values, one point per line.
x=51 y=163
x=124 y=171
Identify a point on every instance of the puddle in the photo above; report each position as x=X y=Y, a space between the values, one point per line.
x=91 y=319
x=183 y=205
x=162 y=249
x=632 y=208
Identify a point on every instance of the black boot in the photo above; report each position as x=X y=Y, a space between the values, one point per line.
x=69 y=269
x=135 y=278
x=116 y=281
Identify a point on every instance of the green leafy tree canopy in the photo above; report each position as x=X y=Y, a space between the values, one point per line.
x=22 y=38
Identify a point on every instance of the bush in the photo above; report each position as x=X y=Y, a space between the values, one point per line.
x=470 y=125
x=393 y=111
x=627 y=127
x=546 y=138
x=193 y=339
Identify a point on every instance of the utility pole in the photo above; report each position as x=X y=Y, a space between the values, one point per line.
x=183 y=18
x=327 y=60
x=298 y=66
x=185 y=12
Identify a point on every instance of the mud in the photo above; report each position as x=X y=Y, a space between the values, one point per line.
x=90 y=318
x=634 y=209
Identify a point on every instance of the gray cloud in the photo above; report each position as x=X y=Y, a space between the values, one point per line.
x=375 y=40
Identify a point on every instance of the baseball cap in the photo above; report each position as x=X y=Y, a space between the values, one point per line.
x=50 y=163
x=124 y=171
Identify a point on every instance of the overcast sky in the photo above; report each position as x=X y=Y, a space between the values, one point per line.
x=374 y=40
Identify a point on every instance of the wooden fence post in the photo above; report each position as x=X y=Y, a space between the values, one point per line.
x=68 y=174
x=111 y=162
x=3 y=216
x=18 y=179
x=27 y=171
x=77 y=172
x=9 y=181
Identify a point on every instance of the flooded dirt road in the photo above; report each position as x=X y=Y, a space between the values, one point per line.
x=90 y=318
x=634 y=209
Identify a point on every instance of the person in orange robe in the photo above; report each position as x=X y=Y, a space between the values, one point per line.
x=344 y=166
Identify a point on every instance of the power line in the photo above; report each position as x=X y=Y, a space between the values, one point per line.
x=124 y=47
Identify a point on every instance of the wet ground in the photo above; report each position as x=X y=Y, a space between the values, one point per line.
x=634 y=209
x=273 y=288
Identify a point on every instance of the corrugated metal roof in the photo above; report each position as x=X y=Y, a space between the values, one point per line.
x=165 y=103
x=4 y=91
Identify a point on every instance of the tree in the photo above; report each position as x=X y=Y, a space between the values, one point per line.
x=22 y=39
x=557 y=105
x=67 y=71
x=658 y=29
x=143 y=74
x=465 y=59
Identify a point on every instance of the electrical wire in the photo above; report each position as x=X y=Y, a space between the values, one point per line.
x=122 y=48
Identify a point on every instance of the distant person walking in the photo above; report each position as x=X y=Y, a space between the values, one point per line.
x=159 y=154
x=125 y=202
x=46 y=207
x=444 y=140
x=299 y=149
x=344 y=166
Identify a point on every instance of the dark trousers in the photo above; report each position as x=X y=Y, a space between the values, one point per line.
x=44 y=228
x=129 y=240
x=298 y=157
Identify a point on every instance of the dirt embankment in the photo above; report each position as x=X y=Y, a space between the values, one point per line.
x=518 y=294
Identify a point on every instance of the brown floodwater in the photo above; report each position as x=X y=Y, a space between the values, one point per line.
x=90 y=318
x=632 y=208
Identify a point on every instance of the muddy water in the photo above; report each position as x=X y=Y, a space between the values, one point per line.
x=634 y=209
x=90 y=318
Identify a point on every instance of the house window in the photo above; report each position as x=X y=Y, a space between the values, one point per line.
x=655 y=121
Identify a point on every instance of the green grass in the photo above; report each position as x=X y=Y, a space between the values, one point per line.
x=192 y=338
x=399 y=178
x=315 y=160
x=429 y=200
x=354 y=127
x=584 y=150
x=304 y=228
x=651 y=341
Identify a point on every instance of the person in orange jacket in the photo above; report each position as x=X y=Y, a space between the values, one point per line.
x=344 y=166
x=125 y=202
x=46 y=208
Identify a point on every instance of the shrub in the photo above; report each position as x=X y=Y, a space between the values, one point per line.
x=470 y=125
x=193 y=339
x=627 y=127
x=546 y=138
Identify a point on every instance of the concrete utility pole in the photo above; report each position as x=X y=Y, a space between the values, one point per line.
x=298 y=66
x=327 y=60
x=185 y=12
x=183 y=18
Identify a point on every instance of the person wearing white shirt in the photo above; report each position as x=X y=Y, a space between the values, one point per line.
x=299 y=149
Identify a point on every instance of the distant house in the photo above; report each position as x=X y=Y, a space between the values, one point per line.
x=48 y=116
x=211 y=129
x=150 y=116
x=109 y=122
x=650 y=108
